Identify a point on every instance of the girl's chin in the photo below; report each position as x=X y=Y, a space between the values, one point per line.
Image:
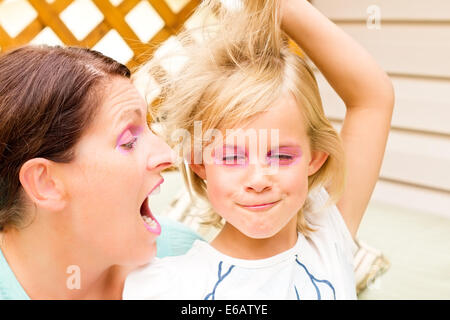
x=259 y=233
x=268 y=231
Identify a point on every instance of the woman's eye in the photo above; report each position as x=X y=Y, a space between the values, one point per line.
x=129 y=145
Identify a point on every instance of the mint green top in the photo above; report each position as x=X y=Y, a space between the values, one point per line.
x=175 y=239
x=10 y=288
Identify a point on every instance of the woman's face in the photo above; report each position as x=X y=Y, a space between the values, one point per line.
x=117 y=165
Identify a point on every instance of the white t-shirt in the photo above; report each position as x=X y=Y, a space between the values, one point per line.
x=319 y=266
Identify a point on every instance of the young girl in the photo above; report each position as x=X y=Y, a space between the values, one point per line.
x=282 y=238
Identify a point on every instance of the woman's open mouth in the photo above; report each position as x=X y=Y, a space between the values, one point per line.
x=150 y=221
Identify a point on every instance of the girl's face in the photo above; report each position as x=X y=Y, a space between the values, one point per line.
x=117 y=165
x=259 y=189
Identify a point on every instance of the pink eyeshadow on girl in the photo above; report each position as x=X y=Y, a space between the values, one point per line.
x=285 y=155
x=230 y=156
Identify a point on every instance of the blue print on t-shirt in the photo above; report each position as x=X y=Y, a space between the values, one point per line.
x=221 y=277
x=314 y=281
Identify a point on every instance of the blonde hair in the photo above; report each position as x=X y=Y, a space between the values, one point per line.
x=239 y=68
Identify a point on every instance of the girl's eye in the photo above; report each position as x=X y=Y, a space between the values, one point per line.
x=229 y=156
x=233 y=160
x=129 y=145
x=281 y=159
x=282 y=156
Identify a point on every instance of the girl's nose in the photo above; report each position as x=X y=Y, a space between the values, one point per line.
x=161 y=157
x=259 y=180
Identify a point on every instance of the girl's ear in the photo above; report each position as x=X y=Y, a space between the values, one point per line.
x=42 y=185
x=318 y=158
x=199 y=170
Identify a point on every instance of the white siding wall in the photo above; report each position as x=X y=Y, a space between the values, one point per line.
x=413 y=46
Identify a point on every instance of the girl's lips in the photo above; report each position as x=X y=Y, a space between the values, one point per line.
x=260 y=207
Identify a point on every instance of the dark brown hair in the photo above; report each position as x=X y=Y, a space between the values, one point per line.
x=48 y=98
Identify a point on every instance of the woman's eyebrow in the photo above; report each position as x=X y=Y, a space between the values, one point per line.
x=129 y=114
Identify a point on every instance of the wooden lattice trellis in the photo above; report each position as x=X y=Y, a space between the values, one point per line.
x=113 y=19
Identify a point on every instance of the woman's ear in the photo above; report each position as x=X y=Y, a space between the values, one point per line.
x=199 y=170
x=42 y=185
x=318 y=158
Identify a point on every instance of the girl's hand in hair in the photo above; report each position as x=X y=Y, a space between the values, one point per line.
x=365 y=89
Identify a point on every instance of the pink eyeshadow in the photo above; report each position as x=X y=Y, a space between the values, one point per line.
x=128 y=134
x=292 y=155
x=224 y=156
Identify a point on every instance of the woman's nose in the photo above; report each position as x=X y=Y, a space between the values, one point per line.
x=161 y=157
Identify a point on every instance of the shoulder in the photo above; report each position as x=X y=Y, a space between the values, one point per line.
x=149 y=282
x=331 y=244
x=324 y=217
x=10 y=288
x=174 y=277
x=175 y=239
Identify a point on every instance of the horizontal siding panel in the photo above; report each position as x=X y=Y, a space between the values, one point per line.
x=419 y=10
x=420 y=104
x=414 y=198
x=409 y=49
x=417 y=159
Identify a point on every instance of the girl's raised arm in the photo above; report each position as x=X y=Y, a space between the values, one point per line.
x=366 y=91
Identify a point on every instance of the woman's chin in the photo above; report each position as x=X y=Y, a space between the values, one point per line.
x=145 y=255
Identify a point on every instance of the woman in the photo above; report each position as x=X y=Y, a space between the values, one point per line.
x=78 y=162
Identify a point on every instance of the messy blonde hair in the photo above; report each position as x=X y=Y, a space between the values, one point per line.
x=237 y=70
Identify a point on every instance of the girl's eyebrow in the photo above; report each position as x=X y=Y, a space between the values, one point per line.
x=234 y=147
x=293 y=146
x=288 y=146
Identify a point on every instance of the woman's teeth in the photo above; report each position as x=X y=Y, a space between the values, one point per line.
x=150 y=222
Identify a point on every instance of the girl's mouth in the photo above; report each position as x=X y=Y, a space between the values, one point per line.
x=260 y=207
